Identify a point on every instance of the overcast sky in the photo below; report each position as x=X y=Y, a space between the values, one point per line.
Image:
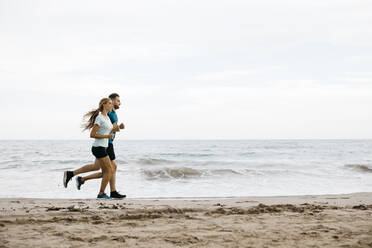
x=188 y=69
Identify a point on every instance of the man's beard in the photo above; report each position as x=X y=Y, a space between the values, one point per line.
x=116 y=107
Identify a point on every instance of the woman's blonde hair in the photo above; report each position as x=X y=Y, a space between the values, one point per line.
x=91 y=115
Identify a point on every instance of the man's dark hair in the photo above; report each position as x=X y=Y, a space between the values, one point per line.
x=113 y=96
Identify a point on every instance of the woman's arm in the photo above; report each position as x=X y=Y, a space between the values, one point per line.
x=95 y=135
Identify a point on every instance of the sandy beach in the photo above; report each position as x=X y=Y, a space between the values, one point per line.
x=294 y=221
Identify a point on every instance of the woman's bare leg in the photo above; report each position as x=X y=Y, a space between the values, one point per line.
x=99 y=174
x=106 y=173
x=92 y=176
x=96 y=166
x=88 y=167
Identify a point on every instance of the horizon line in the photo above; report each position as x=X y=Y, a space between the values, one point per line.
x=192 y=139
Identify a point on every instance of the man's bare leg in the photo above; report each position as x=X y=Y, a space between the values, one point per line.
x=113 y=177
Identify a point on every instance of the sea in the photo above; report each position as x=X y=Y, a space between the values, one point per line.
x=157 y=169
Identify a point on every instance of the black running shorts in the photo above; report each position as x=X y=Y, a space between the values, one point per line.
x=99 y=151
x=111 y=152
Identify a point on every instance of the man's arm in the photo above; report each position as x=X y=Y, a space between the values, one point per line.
x=116 y=128
x=114 y=119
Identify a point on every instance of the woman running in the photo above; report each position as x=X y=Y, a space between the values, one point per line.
x=101 y=130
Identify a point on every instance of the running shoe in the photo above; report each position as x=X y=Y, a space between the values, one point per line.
x=103 y=196
x=67 y=177
x=117 y=195
x=79 y=182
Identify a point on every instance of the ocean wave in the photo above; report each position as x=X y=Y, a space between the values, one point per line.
x=10 y=161
x=154 y=161
x=192 y=173
x=216 y=163
x=360 y=167
x=271 y=172
x=61 y=169
x=119 y=161
x=281 y=172
x=246 y=153
x=12 y=166
x=224 y=172
x=172 y=173
x=185 y=173
x=76 y=162
x=184 y=154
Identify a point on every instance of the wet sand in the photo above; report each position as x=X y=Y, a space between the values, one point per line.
x=294 y=221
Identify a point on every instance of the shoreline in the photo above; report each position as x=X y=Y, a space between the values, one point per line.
x=280 y=221
x=292 y=199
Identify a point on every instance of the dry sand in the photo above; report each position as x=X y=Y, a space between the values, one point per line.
x=300 y=221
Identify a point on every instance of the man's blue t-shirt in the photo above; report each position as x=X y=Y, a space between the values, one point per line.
x=114 y=119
